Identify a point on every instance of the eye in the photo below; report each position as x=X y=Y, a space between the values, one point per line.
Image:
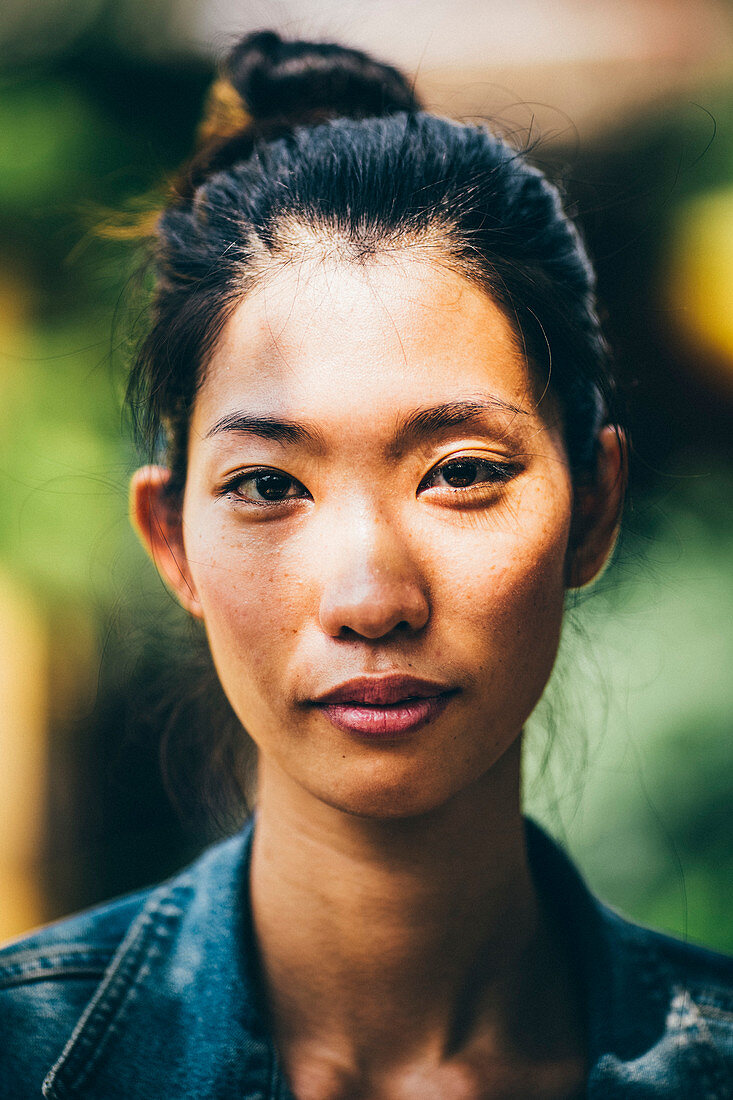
x=264 y=486
x=465 y=473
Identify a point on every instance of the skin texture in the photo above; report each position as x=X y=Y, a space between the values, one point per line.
x=404 y=949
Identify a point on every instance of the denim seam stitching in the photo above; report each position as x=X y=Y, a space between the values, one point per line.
x=108 y=1007
x=90 y=970
x=55 y=966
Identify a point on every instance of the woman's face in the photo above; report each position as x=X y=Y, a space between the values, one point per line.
x=374 y=493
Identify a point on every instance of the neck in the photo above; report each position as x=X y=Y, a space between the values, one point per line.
x=391 y=939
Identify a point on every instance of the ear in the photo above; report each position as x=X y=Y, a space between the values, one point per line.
x=157 y=518
x=597 y=511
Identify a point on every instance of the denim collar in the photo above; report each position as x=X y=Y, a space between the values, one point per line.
x=180 y=1012
x=646 y=1036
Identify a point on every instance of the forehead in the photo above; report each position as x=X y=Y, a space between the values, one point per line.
x=333 y=339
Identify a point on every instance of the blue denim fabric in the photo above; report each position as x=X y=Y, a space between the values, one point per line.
x=157 y=996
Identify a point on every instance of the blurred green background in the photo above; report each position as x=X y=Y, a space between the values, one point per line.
x=98 y=104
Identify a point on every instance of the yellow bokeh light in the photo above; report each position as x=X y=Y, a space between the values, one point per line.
x=700 y=275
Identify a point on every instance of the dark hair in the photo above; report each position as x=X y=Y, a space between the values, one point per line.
x=317 y=135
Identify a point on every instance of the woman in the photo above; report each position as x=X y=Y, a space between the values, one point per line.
x=382 y=406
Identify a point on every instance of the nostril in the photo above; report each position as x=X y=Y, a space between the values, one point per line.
x=402 y=627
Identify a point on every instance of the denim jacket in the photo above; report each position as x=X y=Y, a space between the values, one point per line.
x=158 y=996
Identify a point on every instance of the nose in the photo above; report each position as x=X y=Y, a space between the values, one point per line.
x=373 y=585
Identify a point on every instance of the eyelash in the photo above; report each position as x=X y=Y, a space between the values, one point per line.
x=499 y=473
x=232 y=487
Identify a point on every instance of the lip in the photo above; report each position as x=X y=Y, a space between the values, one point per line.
x=384 y=707
x=382 y=690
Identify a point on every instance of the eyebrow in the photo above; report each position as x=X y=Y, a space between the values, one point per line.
x=434 y=420
x=269 y=427
x=419 y=425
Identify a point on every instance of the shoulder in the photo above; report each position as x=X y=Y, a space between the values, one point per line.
x=66 y=988
x=685 y=972
x=46 y=980
x=659 y=1010
x=677 y=962
x=670 y=1014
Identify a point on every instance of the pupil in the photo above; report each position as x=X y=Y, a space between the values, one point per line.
x=460 y=474
x=272 y=486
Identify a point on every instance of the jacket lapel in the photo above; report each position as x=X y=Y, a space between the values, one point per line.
x=646 y=1036
x=177 y=1013
x=684 y=1062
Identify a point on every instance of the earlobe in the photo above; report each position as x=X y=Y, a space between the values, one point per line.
x=158 y=521
x=597 y=511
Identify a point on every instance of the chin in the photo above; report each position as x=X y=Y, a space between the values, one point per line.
x=393 y=797
x=381 y=807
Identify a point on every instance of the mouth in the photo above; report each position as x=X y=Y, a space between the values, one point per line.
x=384 y=706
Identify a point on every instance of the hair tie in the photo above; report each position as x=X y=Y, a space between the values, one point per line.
x=225 y=114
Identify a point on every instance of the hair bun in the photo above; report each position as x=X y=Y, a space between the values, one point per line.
x=269 y=86
x=297 y=82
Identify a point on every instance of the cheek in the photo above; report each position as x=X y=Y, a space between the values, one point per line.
x=250 y=602
x=504 y=594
